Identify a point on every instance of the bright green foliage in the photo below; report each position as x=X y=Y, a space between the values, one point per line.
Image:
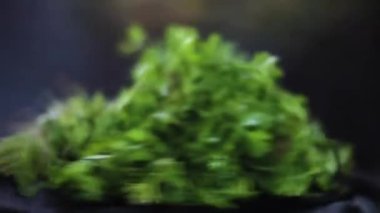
x=202 y=123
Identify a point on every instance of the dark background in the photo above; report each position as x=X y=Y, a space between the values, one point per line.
x=328 y=49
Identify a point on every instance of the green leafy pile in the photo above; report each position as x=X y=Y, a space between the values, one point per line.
x=202 y=123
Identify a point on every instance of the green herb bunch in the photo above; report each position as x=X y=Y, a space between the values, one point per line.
x=202 y=123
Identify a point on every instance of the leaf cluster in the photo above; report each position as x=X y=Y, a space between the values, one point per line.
x=202 y=123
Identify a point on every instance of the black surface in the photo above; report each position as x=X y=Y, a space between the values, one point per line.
x=362 y=200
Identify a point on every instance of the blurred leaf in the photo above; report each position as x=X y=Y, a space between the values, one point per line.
x=136 y=38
